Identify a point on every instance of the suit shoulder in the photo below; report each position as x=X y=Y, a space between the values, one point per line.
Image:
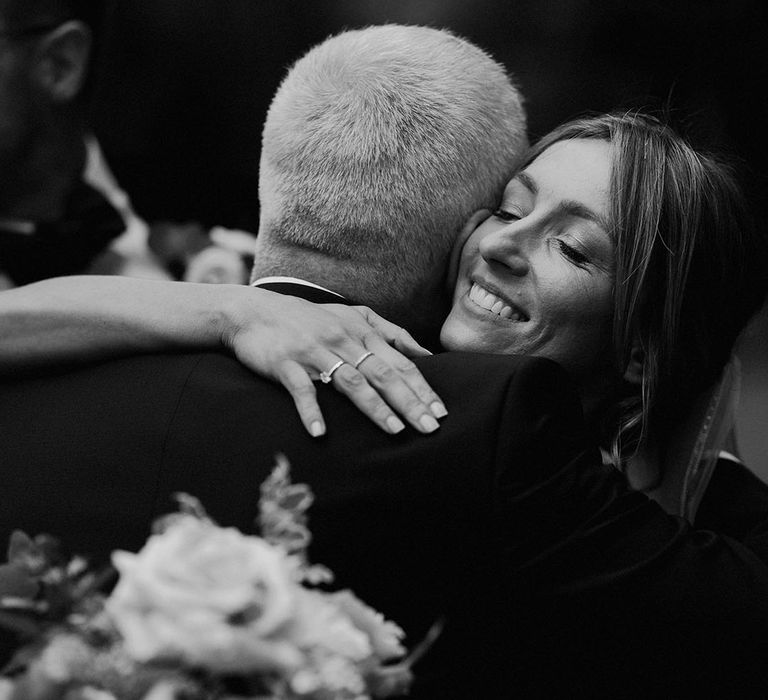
x=482 y=369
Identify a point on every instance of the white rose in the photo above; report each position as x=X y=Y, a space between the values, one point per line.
x=319 y=624
x=385 y=636
x=6 y=689
x=209 y=596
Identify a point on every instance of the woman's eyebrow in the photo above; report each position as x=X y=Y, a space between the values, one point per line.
x=571 y=207
x=527 y=181
x=567 y=207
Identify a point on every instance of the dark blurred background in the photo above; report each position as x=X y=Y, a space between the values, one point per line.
x=184 y=86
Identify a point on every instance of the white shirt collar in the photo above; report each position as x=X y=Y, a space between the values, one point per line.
x=18 y=226
x=292 y=280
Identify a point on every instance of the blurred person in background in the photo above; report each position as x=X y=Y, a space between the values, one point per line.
x=193 y=253
x=61 y=210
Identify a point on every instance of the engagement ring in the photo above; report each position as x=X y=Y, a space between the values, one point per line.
x=325 y=377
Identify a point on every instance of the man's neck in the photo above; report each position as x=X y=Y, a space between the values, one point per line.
x=272 y=260
x=422 y=318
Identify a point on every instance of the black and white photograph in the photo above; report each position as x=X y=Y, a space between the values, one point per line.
x=362 y=349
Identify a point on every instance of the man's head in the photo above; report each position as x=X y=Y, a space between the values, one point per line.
x=377 y=147
x=45 y=56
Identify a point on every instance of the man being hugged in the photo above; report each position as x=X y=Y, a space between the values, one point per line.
x=432 y=128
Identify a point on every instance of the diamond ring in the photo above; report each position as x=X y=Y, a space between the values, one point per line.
x=325 y=377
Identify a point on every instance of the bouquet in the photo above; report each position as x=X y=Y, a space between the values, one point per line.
x=201 y=612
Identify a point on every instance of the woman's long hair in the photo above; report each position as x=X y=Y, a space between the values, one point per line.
x=689 y=270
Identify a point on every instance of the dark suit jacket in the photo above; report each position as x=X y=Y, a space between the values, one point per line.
x=555 y=579
x=410 y=522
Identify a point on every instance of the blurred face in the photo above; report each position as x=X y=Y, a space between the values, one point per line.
x=16 y=107
x=536 y=277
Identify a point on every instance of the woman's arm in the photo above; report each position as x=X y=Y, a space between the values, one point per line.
x=86 y=318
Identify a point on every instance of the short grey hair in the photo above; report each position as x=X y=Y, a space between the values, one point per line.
x=378 y=145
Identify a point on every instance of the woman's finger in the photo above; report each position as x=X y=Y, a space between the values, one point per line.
x=305 y=340
x=408 y=372
x=404 y=397
x=347 y=380
x=298 y=383
x=338 y=369
x=385 y=379
x=390 y=372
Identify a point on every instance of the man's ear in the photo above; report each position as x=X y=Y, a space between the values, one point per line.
x=633 y=372
x=62 y=58
x=453 y=263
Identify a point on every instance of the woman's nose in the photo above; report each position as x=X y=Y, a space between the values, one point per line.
x=506 y=247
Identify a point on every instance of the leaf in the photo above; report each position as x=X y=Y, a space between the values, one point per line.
x=21 y=624
x=19 y=543
x=316 y=574
x=15 y=581
x=389 y=681
x=37 y=556
x=26 y=604
x=24 y=553
x=283 y=510
x=395 y=680
x=425 y=644
x=51 y=550
x=189 y=505
x=93 y=582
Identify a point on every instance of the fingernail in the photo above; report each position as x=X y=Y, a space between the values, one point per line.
x=316 y=429
x=394 y=424
x=428 y=423
x=438 y=409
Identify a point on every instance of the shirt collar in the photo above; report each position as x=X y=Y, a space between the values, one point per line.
x=20 y=226
x=292 y=280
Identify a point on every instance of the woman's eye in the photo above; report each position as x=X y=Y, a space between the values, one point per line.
x=506 y=215
x=575 y=256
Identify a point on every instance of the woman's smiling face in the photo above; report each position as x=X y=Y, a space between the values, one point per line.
x=536 y=277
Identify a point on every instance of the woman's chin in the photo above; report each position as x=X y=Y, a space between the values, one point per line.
x=455 y=336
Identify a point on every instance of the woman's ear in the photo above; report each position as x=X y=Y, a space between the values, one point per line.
x=62 y=59
x=633 y=372
x=453 y=263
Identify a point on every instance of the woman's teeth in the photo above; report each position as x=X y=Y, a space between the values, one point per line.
x=490 y=302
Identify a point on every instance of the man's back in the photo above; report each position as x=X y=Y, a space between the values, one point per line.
x=536 y=556
x=406 y=521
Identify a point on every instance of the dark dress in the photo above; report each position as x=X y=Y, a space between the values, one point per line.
x=735 y=504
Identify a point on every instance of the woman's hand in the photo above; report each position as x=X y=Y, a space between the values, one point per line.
x=296 y=342
x=85 y=318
